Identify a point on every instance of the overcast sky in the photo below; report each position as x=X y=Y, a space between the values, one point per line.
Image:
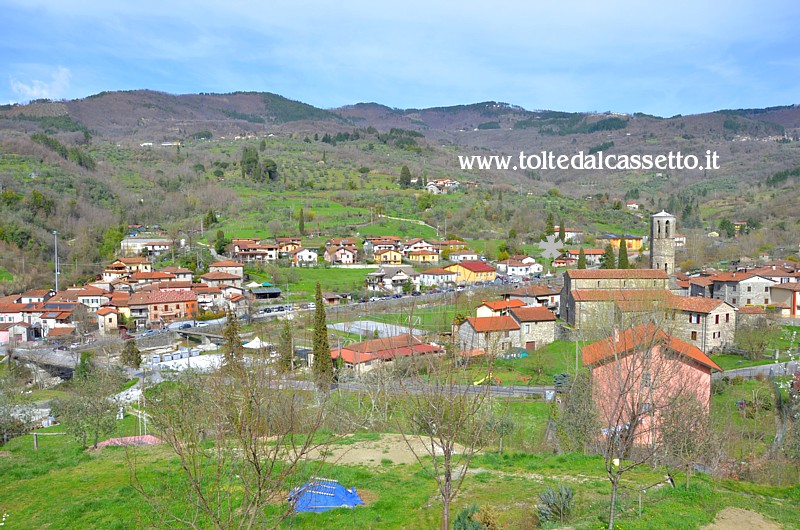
x=662 y=58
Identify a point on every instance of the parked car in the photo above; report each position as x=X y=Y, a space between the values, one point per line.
x=185 y=325
x=149 y=332
x=416 y=293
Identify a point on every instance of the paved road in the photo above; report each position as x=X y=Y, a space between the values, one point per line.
x=767 y=370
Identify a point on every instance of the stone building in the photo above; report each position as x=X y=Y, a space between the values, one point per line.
x=663 y=229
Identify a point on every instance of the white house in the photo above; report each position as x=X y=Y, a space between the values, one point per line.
x=304 y=257
x=437 y=277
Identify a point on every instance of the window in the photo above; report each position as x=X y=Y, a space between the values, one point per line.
x=727 y=317
x=734 y=301
x=694 y=335
x=749 y=288
x=694 y=318
x=527 y=328
x=766 y=289
x=749 y=302
x=716 y=319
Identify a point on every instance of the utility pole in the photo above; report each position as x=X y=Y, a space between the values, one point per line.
x=55 y=236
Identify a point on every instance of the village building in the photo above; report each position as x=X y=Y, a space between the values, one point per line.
x=369 y=354
x=649 y=369
x=470 y=272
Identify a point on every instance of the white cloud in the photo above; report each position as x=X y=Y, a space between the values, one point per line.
x=36 y=89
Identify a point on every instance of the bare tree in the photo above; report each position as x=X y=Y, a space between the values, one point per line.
x=445 y=421
x=638 y=377
x=15 y=409
x=242 y=443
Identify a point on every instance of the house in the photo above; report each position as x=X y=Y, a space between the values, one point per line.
x=450 y=245
x=249 y=250
x=437 y=277
x=287 y=244
x=219 y=279
x=416 y=244
x=392 y=279
x=135 y=264
x=632 y=205
x=423 y=256
x=93 y=298
x=463 y=255
x=511 y=267
x=571 y=235
x=537 y=326
x=107 y=320
x=373 y=244
x=497 y=308
x=536 y=295
x=493 y=334
x=639 y=372
x=164 y=307
x=387 y=257
x=36 y=295
x=141 y=279
x=15 y=332
x=134 y=246
x=304 y=257
x=741 y=289
x=228 y=267
x=785 y=298
x=468 y=272
x=632 y=243
x=340 y=255
x=331 y=298
x=369 y=354
x=707 y=323
x=181 y=274
x=207 y=296
x=592 y=255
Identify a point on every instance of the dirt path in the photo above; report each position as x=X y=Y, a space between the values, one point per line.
x=390 y=449
x=737 y=518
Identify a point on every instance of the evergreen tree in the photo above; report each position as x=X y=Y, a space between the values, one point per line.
x=232 y=354
x=131 y=356
x=562 y=232
x=549 y=228
x=219 y=242
x=302 y=223
x=285 y=353
x=622 y=260
x=581 y=259
x=323 y=367
x=405 y=177
x=607 y=260
x=210 y=218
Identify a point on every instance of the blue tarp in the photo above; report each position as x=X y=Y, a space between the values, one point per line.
x=319 y=495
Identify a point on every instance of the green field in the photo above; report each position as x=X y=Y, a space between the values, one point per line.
x=5 y=276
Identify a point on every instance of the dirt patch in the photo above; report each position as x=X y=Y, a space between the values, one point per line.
x=368 y=496
x=5 y=454
x=390 y=449
x=736 y=518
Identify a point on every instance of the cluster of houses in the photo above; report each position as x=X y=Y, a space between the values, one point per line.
x=128 y=295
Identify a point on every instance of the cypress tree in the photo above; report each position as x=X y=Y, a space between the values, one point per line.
x=302 y=223
x=232 y=355
x=622 y=262
x=562 y=232
x=608 y=258
x=549 y=228
x=581 y=259
x=322 y=367
x=285 y=353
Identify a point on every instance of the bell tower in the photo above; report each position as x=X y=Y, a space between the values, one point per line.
x=663 y=228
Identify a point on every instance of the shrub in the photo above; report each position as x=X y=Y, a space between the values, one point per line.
x=488 y=517
x=556 y=504
x=738 y=380
x=465 y=519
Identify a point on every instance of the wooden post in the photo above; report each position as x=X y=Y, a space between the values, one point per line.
x=35 y=441
x=640 y=505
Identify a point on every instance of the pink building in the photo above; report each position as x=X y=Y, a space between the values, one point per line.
x=651 y=369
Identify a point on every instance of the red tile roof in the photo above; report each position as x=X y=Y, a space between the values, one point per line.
x=219 y=276
x=499 y=305
x=644 y=336
x=488 y=324
x=618 y=295
x=533 y=314
x=751 y=310
x=731 y=276
x=438 y=272
x=535 y=290
x=791 y=286
x=60 y=332
x=474 y=266
x=613 y=274
x=106 y=311
x=226 y=263
x=385 y=348
x=694 y=303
